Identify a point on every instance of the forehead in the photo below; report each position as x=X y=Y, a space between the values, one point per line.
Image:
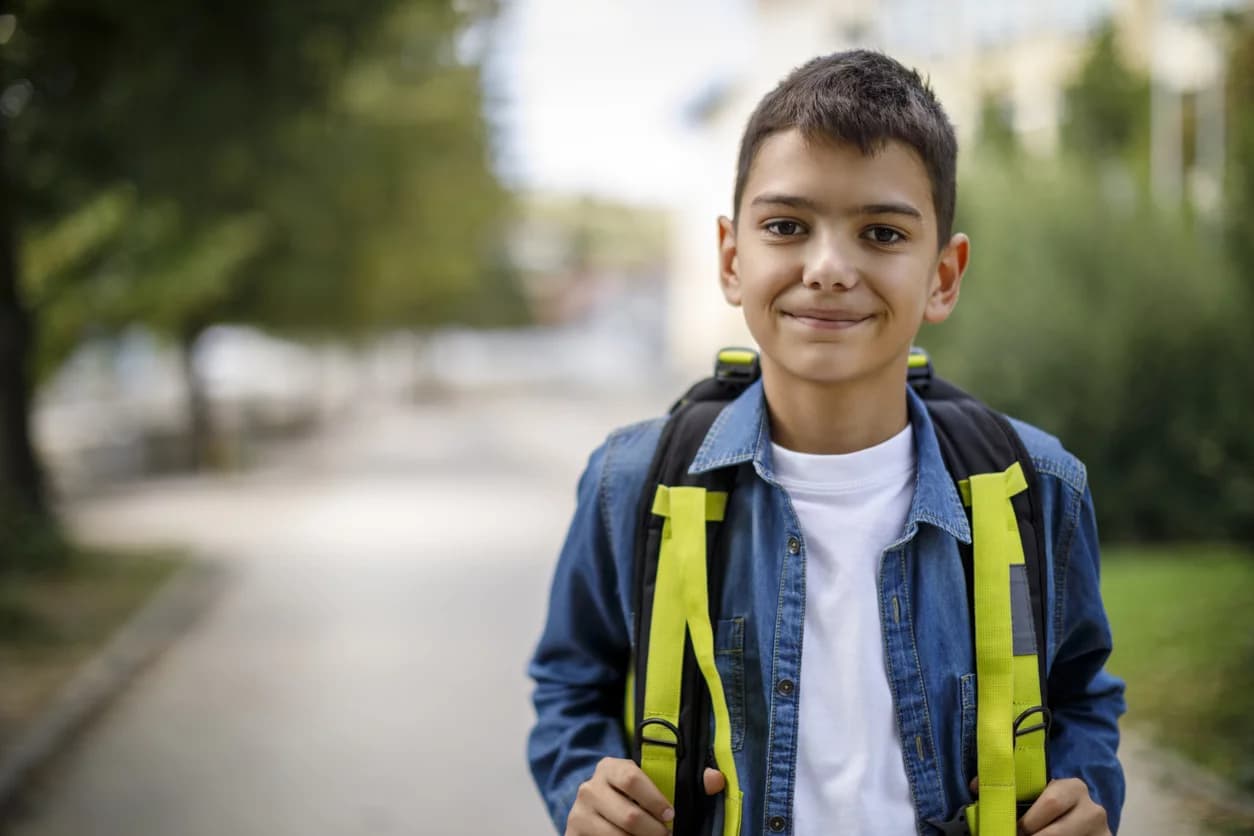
x=832 y=172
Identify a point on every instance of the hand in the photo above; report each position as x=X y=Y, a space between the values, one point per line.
x=619 y=798
x=714 y=782
x=1063 y=809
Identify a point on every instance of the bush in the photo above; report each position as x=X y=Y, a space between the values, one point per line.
x=1122 y=330
x=32 y=543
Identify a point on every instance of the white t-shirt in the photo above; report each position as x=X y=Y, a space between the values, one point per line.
x=851 y=777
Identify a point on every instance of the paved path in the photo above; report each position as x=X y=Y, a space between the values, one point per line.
x=363 y=673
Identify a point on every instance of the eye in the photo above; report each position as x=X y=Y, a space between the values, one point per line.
x=784 y=229
x=884 y=235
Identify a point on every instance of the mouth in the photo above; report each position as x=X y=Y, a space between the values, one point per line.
x=824 y=320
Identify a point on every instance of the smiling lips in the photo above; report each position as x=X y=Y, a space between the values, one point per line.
x=827 y=320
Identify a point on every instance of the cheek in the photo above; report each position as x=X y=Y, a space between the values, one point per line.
x=764 y=277
x=910 y=288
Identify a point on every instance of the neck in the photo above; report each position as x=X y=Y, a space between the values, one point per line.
x=829 y=419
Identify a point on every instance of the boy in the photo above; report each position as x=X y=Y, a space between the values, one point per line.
x=846 y=524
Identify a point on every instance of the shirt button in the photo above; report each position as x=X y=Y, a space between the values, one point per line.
x=786 y=687
x=777 y=824
x=794 y=545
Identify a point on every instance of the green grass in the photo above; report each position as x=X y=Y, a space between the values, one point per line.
x=1183 y=624
x=52 y=621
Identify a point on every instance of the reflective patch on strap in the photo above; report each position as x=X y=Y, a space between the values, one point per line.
x=1021 y=611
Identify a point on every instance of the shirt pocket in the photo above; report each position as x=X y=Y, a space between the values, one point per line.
x=729 y=658
x=967 y=686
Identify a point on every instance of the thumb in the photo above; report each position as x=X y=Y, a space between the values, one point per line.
x=975 y=786
x=714 y=782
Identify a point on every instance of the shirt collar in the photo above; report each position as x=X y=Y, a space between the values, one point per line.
x=741 y=433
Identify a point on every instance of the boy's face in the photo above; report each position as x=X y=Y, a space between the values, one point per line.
x=834 y=259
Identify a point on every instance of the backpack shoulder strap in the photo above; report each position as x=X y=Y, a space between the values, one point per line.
x=974 y=438
x=670 y=740
x=992 y=467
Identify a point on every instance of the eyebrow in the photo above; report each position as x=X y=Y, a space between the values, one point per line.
x=800 y=202
x=775 y=199
x=890 y=209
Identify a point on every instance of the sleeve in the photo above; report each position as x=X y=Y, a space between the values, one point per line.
x=1086 y=700
x=580 y=664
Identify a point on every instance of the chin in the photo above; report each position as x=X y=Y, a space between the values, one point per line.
x=829 y=365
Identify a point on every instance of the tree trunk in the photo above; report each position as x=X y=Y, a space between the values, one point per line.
x=21 y=480
x=201 y=436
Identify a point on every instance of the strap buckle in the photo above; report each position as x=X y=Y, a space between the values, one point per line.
x=737 y=365
x=1047 y=721
x=957 y=826
x=677 y=744
x=918 y=367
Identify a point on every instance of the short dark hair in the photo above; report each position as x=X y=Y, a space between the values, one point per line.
x=867 y=99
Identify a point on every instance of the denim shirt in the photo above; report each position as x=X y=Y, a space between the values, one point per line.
x=581 y=662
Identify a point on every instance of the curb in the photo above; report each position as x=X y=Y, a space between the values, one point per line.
x=170 y=611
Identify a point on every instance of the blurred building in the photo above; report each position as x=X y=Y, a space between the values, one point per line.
x=593 y=274
x=1020 y=56
x=574 y=252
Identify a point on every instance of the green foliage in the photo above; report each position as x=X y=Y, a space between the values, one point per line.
x=407 y=182
x=32 y=542
x=997 y=131
x=1120 y=329
x=315 y=167
x=1107 y=106
x=312 y=165
x=1239 y=179
x=1183 y=624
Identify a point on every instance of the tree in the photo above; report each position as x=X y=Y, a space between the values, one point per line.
x=1107 y=106
x=997 y=131
x=22 y=499
x=1112 y=325
x=1239 y=80
x=177 y=163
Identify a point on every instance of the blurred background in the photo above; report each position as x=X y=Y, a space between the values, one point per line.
x=310 y=313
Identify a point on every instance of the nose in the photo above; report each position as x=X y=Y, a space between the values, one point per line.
x=828 y=266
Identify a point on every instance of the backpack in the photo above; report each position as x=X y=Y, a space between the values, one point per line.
x=673 y=686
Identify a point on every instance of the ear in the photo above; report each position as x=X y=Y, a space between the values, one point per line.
x=728 y=263
x=947 y=279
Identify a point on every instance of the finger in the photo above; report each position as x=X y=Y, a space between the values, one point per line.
x=975 y=786
x=629 y=779
x=1085 y=819
x=1058 y=799
x=714 y=781
x=628 y=816
x=585 y=821
x=602 y=808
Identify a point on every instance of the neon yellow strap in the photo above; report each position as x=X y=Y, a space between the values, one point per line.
x=691 y=504
x=683 y=589
x=737 y=356
x=1030 y=777
x=629 y=702
x=1010 y=770
x=715 y=505
x=666 y=654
